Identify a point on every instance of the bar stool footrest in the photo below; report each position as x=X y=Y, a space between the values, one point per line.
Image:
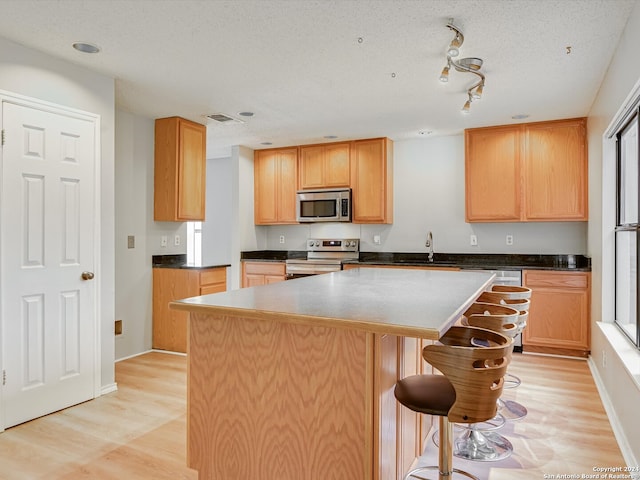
x=413 y=474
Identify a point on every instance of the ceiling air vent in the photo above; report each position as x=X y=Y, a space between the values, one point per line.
x=224 y=119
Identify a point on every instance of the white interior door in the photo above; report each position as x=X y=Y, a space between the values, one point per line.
x=47 y=240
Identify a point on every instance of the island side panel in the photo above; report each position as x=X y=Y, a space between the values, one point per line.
x=278 y=400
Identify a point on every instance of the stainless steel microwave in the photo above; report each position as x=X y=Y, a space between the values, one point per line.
x=328 y=205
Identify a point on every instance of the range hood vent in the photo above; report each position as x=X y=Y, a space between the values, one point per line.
x=223 y=118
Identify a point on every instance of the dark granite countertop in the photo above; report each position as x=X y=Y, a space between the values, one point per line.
x=273 y=255
x=486 y=261
x=179 y=261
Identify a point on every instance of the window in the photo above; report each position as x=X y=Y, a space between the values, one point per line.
x=627 y=230
x=194 y=242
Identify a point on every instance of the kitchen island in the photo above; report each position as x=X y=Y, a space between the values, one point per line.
x=294 y=380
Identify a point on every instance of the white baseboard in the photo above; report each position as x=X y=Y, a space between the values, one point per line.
x=616 y=426
x=113 y=387
x=132 y=356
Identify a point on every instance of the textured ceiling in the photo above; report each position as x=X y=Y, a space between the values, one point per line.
x=300 y=67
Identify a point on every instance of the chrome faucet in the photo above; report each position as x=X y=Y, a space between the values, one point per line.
x=429 y=245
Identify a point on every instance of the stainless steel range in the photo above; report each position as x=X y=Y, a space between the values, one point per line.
x=324 y=255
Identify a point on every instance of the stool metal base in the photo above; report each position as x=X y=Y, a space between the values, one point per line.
x=479 y=442
x=444 y=468
x=414 y=474
x=511 y=410
x=482 y=446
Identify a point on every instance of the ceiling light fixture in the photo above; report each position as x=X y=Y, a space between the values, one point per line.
x=85 y=47
x=465 y=65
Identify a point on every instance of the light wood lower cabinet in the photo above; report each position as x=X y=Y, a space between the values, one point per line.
x=262 y=273
x=169 y=284
x=559 y=315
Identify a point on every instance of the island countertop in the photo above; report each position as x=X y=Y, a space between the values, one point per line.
x=411 y=303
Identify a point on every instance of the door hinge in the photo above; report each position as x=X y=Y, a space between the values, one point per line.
x=4 y=377
x=2 y=140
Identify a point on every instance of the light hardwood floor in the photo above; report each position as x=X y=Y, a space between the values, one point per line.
x=139 y=431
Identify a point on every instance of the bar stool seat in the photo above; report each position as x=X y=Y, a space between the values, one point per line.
x=472 y=381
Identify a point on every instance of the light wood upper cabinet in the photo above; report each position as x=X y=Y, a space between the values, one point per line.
x=180 y=170
x=528 y=172
x=324 y=166
x=275 y=186
x=559 y=315
x=372 y=180
x=556 y=171
x=492 y=174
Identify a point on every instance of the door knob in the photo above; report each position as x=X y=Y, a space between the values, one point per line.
x=87 y=275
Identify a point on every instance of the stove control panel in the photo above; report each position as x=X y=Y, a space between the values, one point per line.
x=333 y=244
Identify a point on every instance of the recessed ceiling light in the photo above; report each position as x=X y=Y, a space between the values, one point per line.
x=246 y=114
x=330 y=136
x=520 y=116
x=85 y=47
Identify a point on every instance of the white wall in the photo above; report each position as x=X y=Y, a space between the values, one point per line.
x=33 y=74
x=429 y=196
x=616 y=374
x=216 y=238
x=134 y=216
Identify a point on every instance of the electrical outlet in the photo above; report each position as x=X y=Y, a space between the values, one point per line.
x=509 y=239
x=376 y=239
x=281 y=238
x=163 y=241
x=131 y=241
x=176 y=240
x=473 y=240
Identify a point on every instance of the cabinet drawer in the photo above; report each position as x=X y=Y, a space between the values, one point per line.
x=556 y=279
x=208 y=289
x=264 y=268
x=214 y=275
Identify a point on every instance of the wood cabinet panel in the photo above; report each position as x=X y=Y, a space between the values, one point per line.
x=386 y=407
x=409 y=428
x=324 y=166
x=169 y=284
x=559 y=315
x=372 y=180
x=262 y=273
x=527 y=172
x=556 y=171
x=492 y=180
x=180 y=170
x=305 y=411
x=275 y=186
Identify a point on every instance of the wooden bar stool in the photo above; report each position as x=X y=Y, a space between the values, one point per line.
x=517 y=297
x=467 y=392
x=481 y=441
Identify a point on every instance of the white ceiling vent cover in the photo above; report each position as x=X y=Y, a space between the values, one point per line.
x=223 y=118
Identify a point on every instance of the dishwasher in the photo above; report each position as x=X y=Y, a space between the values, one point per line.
x=507 y=277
